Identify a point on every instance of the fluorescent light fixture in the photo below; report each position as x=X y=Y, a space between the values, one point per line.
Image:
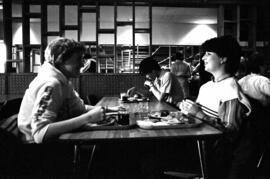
x=198 y=35
x=205 y=21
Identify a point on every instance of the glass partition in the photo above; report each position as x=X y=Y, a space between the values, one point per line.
x=53 y=18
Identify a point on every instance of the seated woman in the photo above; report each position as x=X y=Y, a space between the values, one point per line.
x=51 y=106
x=221 y=103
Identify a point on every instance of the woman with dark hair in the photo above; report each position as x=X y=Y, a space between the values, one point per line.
x=222 y=103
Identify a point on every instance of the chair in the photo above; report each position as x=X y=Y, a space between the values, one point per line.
x=24 y=160
x=249 y=151
x=10 y=144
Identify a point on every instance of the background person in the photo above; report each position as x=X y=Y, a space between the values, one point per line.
x=182 y=71
x=255 y=84
x=162 y=84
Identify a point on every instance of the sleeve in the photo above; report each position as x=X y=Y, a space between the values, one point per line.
x=166 y=84
x=173 y=68
x=264 y=86
x=232 y=115
x=77 y=105
x=45 y=110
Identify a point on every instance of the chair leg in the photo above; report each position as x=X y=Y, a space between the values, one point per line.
x=260 y=160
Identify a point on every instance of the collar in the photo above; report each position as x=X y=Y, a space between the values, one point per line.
x=224 y=78
x=47 y=70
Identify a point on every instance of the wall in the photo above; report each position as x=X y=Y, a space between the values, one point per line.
x=94 y=85
x=163 y=34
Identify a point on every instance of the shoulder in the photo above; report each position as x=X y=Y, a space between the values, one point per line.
x=230 y=89
x=51 y=85
x=166 y=74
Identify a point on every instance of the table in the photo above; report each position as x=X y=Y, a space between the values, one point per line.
x=200 y=134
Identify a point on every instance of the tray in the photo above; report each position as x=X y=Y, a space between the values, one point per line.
x=153 y=123
x=109 y=125
x=135 y=100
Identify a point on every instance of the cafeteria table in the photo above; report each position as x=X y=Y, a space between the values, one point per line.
x=201 y=134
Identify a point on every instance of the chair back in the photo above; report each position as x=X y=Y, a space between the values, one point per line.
x=8 y=116
x=250 y=145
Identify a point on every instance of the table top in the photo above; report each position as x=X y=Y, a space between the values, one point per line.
x=135 y=134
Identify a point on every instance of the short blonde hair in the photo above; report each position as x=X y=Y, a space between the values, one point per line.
x=61 y=49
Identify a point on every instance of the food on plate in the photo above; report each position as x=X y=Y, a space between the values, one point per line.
x=169 y=117
x=164 y=113
x=109 y=120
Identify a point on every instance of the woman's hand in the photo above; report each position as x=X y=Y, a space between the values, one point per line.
x=189 y=107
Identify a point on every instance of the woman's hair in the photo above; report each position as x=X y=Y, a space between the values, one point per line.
x=225 y=46
x=148 y=64
x=60 y=49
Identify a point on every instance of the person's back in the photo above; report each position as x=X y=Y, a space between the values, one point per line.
x=182 y=71
x=254 y=84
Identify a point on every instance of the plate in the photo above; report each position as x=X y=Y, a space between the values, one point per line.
x=159 y=114
x=110 y=120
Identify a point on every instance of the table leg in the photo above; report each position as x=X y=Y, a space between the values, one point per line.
x=76 y=154
x=202 y=157
x=90 y=161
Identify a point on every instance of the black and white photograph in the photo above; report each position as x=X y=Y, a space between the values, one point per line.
x=134 y=89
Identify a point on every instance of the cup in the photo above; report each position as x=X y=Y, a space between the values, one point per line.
x=123 y=96
x=123 y=117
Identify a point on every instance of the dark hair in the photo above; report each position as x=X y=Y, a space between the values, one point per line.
x=254 y=62
x=60 y=49
x=148 y=64
x=179 y=56
x=225 y=46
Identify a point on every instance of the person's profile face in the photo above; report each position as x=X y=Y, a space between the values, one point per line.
x=212 y=61
x=71 y=67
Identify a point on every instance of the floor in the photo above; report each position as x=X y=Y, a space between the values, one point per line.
x=110 y=161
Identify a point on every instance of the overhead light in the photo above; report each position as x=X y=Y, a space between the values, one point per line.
x=205 y=21
x=130 y=19
x=1 y=6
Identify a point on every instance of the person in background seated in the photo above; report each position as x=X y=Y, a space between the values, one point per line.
x=255 y=84
x=50 y=105
x=257 y=87
x=90 y=64
x=182 y=71
x=222 y=104
x=162 y=84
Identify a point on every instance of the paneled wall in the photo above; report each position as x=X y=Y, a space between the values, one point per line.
x=93 y=85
